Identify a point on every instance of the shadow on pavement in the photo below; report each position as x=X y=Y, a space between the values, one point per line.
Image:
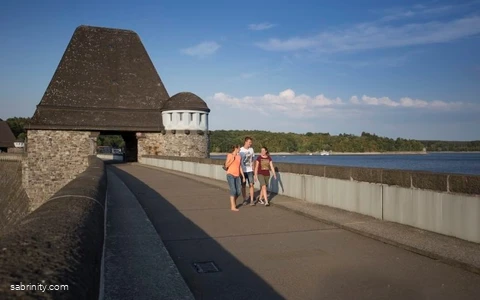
x=275 y=185
x=189 y=244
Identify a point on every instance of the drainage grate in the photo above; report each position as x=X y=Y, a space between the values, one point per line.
x=206 y=267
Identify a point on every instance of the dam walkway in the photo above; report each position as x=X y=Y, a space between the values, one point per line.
x=257 y=253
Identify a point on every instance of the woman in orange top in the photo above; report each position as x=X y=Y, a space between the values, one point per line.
x=234 y=171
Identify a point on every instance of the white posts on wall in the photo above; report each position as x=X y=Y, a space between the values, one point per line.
x=185 y=120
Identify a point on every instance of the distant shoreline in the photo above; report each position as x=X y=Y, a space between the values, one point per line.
x=381 y=153
x=359 y=153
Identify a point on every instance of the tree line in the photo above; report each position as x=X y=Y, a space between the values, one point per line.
x=452 y=146
x=222 y=140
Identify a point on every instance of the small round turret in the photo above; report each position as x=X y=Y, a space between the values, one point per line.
x=185 y=111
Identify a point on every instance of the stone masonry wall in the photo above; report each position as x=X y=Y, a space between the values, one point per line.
x=53 y=159
x=14 y=201
x=150 y=144
x=174 y=144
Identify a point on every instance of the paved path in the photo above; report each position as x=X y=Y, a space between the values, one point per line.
x=271 y=253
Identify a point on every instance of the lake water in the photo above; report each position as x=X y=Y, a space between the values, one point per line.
x=459 y=163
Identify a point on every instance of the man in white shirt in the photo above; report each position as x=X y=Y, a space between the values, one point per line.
x=247 y=162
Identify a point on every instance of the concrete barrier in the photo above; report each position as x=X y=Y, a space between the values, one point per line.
x=110 y=156
x=60 y=243
x=442 y=203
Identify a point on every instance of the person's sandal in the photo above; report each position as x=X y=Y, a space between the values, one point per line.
x=258 y=200
x=267 y=204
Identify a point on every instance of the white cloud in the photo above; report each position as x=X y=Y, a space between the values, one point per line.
x=295 y=43
x=423 y=11
x=379 y=101
x=374 y=36
x=300 y=106
x=202 y=49
x=409 y=102
x=406 y=102
x=261 y=26
x=415 y=11
x=286 y=102
x=354 y=100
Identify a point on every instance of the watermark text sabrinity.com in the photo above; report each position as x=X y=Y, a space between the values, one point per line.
x=38 y=287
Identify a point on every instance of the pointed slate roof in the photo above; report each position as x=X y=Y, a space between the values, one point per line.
x=6 y=135
x=104 y=81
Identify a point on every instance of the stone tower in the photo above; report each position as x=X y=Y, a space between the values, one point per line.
x=105 y=83
x=185 y=122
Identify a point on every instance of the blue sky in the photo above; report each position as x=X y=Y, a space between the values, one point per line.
x=395 y=68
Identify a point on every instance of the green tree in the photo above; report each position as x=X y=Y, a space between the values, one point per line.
x=114 y=141
x=221 y=141
x=17 y=125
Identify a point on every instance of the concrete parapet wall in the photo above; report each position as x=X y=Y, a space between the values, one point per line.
x=110 y=156
x=442 y=203
x=60 y=243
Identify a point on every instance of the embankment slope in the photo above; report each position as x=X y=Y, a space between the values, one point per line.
x=13 y=198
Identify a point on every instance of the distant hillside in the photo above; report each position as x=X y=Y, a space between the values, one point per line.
x=221 y=140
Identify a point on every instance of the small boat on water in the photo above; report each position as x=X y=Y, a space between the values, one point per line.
x=324 y=153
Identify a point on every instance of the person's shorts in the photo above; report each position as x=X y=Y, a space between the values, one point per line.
x=234 y=183
x=263 y=180
x=249 y=178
